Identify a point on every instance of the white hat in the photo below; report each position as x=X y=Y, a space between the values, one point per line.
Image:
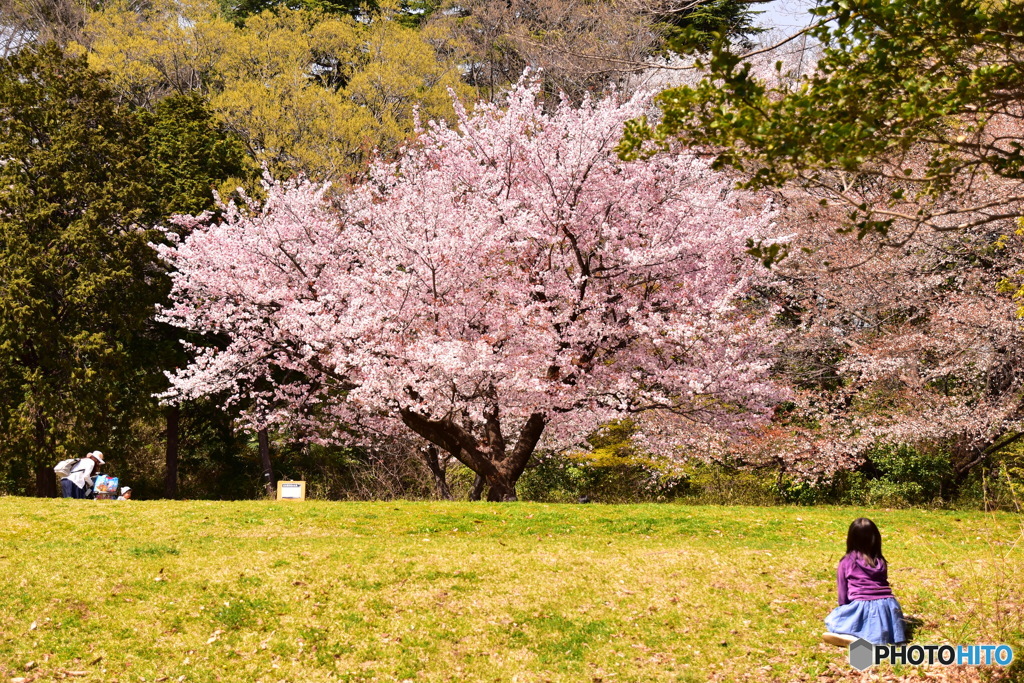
x=99 y=457
x=125 y=489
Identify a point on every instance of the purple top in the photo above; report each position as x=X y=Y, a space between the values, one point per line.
x=857 y=580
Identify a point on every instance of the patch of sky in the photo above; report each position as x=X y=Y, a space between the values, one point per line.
x=784 y=15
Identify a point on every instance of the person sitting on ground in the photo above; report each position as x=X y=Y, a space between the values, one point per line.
x=78 y=484
x=867 y=608
x=126 y=493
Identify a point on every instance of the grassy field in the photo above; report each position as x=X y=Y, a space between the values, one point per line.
x=419 y=591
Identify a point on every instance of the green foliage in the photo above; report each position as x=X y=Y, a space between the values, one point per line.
x=192 y=155
x=613 y=471
x=80 y=355
x=566 y=480
x=886 y=493
x=893 y=475
x=699 y=27
x=909 y=475
x=999 y=485
x=716 y=484
x=1010 y=466
x=75 y=270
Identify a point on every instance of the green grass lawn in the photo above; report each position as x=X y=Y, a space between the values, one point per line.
x=420 y=591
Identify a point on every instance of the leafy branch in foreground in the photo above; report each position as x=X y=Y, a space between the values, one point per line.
x=912 y=117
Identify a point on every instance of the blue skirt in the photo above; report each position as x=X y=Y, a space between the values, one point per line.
x=877 y=621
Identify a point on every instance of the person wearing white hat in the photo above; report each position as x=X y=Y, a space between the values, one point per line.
x=78 y=484
x=126 y=493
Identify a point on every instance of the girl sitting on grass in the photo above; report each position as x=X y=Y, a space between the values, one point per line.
x=867 y=608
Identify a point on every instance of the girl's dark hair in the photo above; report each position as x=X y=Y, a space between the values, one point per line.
x=864 y=538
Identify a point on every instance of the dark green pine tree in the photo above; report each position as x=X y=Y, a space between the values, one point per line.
x=78 y=281
x=697 y=26
x=191 y=154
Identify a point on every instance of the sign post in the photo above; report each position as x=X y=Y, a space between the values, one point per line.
x=291 y=490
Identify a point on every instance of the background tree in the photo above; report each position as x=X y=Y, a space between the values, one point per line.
x=910 y=122
x=23 y=22
x=155 y=49
x=504 y=286
x=580 y=46
x=686 y=26
x=306 y=91
x=193 y=157
x=80 y=306
x=912 y=346
x=76 y=273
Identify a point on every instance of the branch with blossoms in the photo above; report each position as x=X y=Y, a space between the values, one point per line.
x=912 y=345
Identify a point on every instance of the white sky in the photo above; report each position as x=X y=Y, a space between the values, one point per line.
x=784 y=14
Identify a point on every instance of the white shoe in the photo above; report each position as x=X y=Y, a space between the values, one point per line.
x=838 y=639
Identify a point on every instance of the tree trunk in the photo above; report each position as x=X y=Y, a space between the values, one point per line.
x=478 y=488
x=268 y=470
x=483 y=450
x=501 y=493
x=171 y=455
x=432 y=457
x=46 y=480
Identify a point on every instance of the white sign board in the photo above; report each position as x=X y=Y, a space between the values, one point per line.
x=291 y=490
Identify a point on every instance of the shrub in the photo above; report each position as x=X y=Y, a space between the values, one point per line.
x=598 y=476
x=916 y=475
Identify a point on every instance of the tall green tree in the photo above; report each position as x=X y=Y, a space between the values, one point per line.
x=78 y=281
x=191 y=156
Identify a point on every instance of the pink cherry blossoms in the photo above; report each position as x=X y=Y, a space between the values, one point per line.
x=505 y=285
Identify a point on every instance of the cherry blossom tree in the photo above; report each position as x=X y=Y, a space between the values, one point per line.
x=912 y=344
x=506 y=285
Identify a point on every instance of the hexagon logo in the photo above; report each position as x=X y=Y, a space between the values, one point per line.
x=862 y=654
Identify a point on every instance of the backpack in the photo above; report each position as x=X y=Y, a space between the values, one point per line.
x=65 y=467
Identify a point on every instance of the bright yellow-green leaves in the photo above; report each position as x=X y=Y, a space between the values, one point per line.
x=398 y=71
x=167 y=47
x=307 y=92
